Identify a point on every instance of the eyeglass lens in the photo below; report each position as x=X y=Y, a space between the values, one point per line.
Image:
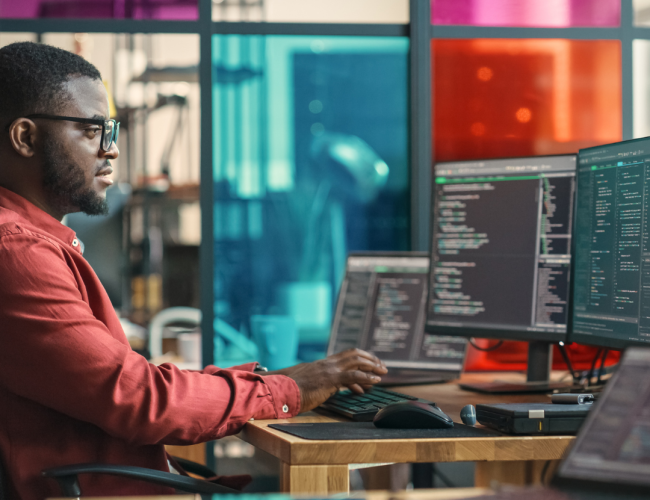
x=111 y=130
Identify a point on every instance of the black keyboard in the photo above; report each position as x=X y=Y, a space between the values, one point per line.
x=363 y=407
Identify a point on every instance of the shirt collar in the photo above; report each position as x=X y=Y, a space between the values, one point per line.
x=33 y=215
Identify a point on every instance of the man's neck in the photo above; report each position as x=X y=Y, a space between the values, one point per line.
x=35 y=196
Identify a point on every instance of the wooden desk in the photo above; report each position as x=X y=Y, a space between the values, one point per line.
x=322 y=467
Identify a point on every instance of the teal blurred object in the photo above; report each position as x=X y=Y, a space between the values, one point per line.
x=231 y=346
x=277 y=340
x=352 y=167
x=309 y=303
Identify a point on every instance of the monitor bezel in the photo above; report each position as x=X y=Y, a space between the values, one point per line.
x=496 y=333
x=582 y=338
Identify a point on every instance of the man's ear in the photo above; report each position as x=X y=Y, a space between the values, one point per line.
x=22 y=133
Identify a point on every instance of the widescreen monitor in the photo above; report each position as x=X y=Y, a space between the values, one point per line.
x=381 y=309
x=611 y=297
x=500 y=254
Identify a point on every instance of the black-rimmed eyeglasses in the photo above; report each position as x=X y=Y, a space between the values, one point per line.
x=110 y=128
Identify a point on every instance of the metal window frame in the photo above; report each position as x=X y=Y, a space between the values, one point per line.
x=420 y=32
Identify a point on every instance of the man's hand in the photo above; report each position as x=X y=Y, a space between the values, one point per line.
x=317 y=381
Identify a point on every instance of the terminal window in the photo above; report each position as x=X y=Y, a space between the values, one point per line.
x=502 y=244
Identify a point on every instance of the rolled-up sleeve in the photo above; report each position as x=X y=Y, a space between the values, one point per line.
x=56 y=353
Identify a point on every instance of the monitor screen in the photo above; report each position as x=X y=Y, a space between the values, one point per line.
x=611 y=299
x=381 y=309
x=500 y=254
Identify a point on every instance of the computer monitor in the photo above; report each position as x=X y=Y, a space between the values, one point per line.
x=381 y=309
x=611 y=296
x=500 y=254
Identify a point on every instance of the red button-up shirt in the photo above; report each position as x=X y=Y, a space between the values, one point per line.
x=72 y=390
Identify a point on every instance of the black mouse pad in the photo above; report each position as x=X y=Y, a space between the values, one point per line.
x=332 y=431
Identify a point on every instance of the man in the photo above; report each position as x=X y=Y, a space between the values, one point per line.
x=71 y=389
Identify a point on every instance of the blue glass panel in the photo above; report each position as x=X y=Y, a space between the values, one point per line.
x=310 y=162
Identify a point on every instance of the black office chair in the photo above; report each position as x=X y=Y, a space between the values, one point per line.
x=68 y=481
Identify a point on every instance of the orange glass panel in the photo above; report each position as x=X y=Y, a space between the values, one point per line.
x=499 y=98
x=504 y=98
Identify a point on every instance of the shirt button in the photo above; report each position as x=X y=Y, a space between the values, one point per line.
x=285 y=409
x=75 y=242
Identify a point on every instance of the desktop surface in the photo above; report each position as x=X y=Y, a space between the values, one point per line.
x=500 y=256
x=316 y=466
x=611 y=302
x=450 y=398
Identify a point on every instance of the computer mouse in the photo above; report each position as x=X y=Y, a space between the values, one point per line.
x=412 y=415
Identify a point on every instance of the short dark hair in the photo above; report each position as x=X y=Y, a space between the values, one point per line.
x=32 y=76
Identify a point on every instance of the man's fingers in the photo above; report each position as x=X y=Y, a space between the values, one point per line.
x=358 y=362
x=356 y=388
x=379 y=370
x=378 y=362
x=358 y=377
x=366 y=354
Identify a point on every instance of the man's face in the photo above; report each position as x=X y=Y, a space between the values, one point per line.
x=75 y=169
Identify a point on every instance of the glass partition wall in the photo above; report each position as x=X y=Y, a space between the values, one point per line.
x=313 y=131
x=310 y=162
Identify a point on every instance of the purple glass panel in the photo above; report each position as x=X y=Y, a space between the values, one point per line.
x=529 y=13
x=177 y=10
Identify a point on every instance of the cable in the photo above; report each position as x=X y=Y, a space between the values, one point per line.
x=606 y=371
x=485 y=349
x=593 y=366
x=602 y=365
x=567 y=360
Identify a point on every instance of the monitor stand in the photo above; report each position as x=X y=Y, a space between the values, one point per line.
x=540 y=357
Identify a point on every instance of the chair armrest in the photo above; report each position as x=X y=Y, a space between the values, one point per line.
x=67 y=478
x=194 y=468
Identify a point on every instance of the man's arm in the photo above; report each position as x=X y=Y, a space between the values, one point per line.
x=56 y=353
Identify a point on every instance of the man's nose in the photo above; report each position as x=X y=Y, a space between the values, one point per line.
x=112 y=153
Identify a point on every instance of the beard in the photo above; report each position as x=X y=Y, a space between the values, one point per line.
x=65 y=183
